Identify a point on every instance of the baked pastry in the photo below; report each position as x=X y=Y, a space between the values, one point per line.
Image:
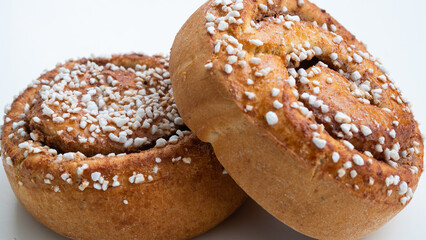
x=95 y=149
x=303 y=118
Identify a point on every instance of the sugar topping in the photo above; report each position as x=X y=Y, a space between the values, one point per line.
x=310 y=89
x=105 y=105
x=271 y=118
x=98 y=109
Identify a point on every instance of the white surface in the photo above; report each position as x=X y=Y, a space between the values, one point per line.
x=34 y=35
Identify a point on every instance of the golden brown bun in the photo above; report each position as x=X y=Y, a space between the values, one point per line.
x=301 y=116
x=169 y=189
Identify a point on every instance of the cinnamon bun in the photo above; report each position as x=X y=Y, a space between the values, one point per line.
x=301 y=115
x=96 y=149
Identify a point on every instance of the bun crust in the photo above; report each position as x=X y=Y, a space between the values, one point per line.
x=169 y=189
x=303 y=118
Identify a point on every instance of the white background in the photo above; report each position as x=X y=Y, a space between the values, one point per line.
x=35 y=35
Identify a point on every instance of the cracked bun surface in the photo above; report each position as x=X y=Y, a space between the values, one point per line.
x=300 y=114
x=95 y=149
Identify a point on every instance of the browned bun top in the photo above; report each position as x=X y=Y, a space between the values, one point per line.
x=88 y=114
x=298 y=74
x=102 y=106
